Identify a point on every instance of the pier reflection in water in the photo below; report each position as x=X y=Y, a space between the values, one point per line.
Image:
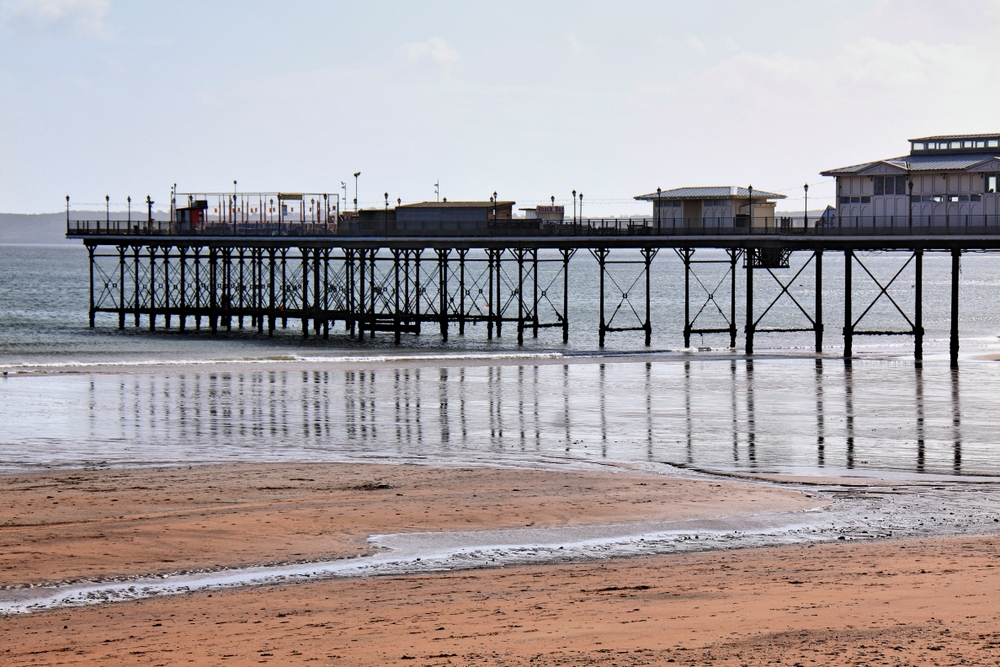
x=724 y=413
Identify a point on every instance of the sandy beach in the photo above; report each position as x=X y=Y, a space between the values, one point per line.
x=893 y=602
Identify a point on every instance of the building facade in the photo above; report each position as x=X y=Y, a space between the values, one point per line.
x=945 y=180
x=713 y=207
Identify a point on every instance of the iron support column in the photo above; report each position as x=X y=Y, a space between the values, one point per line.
x=489 y=313
x=182 y=314
x=733 y=256
x=152 y=288
x=371 y=293
x=396 y=320
x=602 y=254
x=92 y=312
x=138 y=291
x=121 y=287
x=271 y=324
x=686 y=256
x=848 y=317
x=304 y=255
x=648 y=254
x=748 y=258
x=213 y=274
x=461 y=292
x=565 y=319
x=819 y=301
x=918 y=306
x=443 y=292
x=520 y=296
x=166 y=287
x=956 y=258
x=534 y=287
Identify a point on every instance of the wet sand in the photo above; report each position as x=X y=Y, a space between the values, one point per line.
x=71 y=525
x=901 y=603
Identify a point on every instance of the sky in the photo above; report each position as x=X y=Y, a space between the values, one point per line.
x=527 y=99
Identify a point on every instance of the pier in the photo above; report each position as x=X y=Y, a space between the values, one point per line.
x=374 y=278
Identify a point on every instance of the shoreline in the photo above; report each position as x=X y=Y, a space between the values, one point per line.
x=107 y=525
x=908 y=602
x=137 y=533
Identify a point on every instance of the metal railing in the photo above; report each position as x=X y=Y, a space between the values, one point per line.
x=520 y=227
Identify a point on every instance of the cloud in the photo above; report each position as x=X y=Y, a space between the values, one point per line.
x=55 y=16
x=434 y=49
x=696 y=44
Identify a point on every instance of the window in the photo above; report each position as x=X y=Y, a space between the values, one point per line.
x=980 y=144
x=993 y=143
x=956 y=144
x=975 y=197
x=966 y=144
x=990 y=181
x=866 y=200
x=716 y=202
x=918 y=145
x=890 y=185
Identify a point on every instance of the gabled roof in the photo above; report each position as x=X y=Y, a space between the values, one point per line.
x=709 y=192
x=948 y=162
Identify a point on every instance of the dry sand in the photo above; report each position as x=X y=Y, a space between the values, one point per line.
x=926 y=602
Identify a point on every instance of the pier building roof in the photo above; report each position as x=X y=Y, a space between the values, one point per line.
x=946 y=152
x=456 y=204
x=709 y=192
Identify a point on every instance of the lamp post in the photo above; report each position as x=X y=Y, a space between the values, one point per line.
x=67 y=212
x=130 y=211
x=805 y=207
x=495 y=202
x=385 y=220
x=750 y=192
x=574 y=207
x=107 y=210
x=581 y=208
x=356 y=174
x=437 y=189
x=659 y=208
x=149 y=212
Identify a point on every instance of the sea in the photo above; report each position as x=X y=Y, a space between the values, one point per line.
x=73 y=396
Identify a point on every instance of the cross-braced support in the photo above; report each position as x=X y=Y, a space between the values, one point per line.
x=915 y=325
x=815 y=319
x=622 y=290
x=711 y=303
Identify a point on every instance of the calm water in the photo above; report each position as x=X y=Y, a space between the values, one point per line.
x=334 y=400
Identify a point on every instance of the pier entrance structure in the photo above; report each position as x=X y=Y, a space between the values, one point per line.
x=217 y=266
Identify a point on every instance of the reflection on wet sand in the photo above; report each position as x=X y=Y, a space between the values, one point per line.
x=725 y=413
